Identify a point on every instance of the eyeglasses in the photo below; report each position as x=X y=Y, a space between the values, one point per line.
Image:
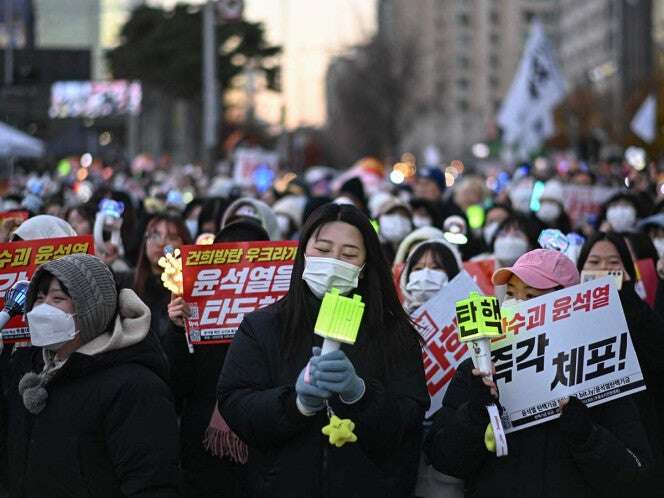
x=157 y=238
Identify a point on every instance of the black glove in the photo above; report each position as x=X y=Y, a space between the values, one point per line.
x=575 y=421
x=480 y=398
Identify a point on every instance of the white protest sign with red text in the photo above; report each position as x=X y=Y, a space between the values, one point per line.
x=436 y=323
x=19 y=261
x=573 y=342
x=223 y=282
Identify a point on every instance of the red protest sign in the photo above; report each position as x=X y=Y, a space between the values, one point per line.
x=18 y=215
x=482 y=270
x=19 y=260
x=223 y=282
x=648 y=274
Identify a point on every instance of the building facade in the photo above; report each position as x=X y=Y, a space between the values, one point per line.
x=467 y=53
x=607 y=45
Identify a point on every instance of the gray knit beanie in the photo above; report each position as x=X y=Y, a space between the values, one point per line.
x=91 y=286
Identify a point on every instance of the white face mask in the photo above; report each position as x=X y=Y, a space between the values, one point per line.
x=659 y=245
x=511 y=302
x=508 y=248
x=425 y=283
x=421 y=221
x=621 y=218
x=50 y=327
x=548 y=212
x=489 y=231
x=394 y=227
x=324 y=274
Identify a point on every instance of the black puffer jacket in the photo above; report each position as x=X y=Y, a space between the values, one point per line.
x=108 y=429
x=194 y=381
x=288 y=454
x=646 y=328
x=541 y=463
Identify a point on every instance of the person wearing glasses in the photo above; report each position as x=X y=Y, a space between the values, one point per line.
x=162 y=230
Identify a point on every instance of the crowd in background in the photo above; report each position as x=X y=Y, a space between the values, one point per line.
x=240 y=437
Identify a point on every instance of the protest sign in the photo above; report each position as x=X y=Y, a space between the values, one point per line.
x=648 y=275
x=573 y=342
x=584 y=202
x=223 y=282
x=19 y=261
x=482 y=270
x=254 y=166
x=436 y=323
x=18 y=215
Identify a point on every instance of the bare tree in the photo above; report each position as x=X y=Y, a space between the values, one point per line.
x=366 y=89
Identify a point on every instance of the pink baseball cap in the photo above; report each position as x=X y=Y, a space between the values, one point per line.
x=541 y=269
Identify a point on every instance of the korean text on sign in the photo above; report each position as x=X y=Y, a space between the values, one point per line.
x=573 y=342
x=223 y=282
x=443 y=351
x=19 y=260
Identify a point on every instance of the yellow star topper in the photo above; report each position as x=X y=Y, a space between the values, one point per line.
x=340 y=431
x=171 y=277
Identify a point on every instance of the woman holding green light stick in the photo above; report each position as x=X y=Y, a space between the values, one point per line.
x=378 y=382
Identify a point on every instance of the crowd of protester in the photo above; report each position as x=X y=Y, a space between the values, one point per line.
x=108 y=400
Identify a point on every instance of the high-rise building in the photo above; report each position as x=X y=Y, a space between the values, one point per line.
x=82 y=24
x=607 y=45
x=467 y=52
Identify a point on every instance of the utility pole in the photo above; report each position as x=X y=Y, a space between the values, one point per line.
x=9 y=47
x=210 y=90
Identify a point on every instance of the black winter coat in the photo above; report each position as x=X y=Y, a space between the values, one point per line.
x=288 y=454
x=194 y=381
x=646 y=328
x=541 y=463
x=108 y=430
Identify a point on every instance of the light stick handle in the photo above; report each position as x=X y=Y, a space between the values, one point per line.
x=329 y=345
x=480 y=351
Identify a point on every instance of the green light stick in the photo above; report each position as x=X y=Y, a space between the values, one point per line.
x=338 y=320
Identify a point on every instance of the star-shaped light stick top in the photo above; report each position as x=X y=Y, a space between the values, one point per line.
x=340 y=431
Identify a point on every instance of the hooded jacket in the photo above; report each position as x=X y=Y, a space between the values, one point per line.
x=288 y=455
x=108 y=428
x=418 y=236
x=409 y=302
x=265 y=213
x=541 y=462
x=44 y=226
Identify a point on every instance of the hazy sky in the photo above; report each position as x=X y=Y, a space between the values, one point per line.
x=311 y=32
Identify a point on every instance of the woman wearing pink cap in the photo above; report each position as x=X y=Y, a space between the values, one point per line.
x=601 y=451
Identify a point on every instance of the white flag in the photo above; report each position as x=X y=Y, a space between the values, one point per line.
x=536 y=89
x=645 y=120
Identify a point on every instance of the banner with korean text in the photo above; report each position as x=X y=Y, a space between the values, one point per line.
x=436 y=323
x=223 y=282
x=19 y=261
x=573 y=342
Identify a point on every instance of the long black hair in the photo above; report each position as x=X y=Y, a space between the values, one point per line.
x=384 y=322
x=620 y=245
x=144 y=267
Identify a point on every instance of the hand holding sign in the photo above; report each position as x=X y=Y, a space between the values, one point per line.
x=178 y=310
x=575 y=421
